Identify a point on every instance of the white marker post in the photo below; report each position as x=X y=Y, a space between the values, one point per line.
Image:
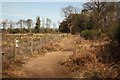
x=16 y=43
x=16 y=46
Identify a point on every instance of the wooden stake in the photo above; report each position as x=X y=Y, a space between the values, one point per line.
x=15 y=50
x=31 y=44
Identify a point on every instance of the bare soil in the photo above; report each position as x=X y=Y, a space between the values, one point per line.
x=48 y=66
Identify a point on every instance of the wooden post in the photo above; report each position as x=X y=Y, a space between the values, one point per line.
x=1 y=63
x=45 y=39
x=31 y=44
x=15 y=49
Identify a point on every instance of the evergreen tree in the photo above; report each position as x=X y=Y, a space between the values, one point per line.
x=37 y=27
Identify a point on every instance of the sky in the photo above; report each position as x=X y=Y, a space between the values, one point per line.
x=44 y=0
x=30 y=10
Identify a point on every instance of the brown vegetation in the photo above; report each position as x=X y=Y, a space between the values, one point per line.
x=13 y=64
x=93 y=59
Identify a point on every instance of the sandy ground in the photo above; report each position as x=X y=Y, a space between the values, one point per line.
x=48 y=66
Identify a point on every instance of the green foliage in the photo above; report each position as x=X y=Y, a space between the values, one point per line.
x=78 y=22
x=90 y=34
x=24 y=30
x=114 y=34
x=16 y=30
x=64 y=27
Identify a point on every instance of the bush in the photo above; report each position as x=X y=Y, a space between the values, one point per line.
x=114 y=34
x=90 y=34
x=107 y=53
x=63 y=27
x=86 y=65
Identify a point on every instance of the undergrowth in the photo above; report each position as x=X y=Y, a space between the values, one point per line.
x=100 y=60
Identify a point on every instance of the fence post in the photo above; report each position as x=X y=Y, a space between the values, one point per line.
x=31 y=44
x=15 y=49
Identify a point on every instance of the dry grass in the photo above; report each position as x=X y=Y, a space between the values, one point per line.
x=89 y=61
x=13 y=68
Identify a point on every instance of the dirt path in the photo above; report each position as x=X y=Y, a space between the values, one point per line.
x=48 y=66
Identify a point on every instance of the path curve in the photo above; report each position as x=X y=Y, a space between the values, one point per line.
x=48 y=66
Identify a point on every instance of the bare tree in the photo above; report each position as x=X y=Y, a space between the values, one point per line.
x=97 y=9
x=4 y=24
x=29 y=24
x=11 y=26
x=43 y=25
x=43 y=22
x=48 y=22
x=68 y=11
x=21 y=24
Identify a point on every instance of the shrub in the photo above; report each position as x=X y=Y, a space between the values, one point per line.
x=86 y=65
x=90 y=34
x=114 y=34
x=107 y=53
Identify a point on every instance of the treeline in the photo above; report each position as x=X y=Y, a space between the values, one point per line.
x=28 y=26
x=26 y=30
x=95 y=19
